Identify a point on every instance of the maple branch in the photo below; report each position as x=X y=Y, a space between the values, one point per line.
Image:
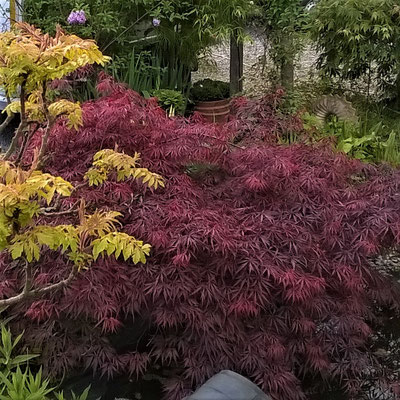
x=80 y=186
x=49 y=125
x=26 y=294
x=27 y=137
x=43 y=146
x=207 y=136
x=28 y=278
x=49 y=211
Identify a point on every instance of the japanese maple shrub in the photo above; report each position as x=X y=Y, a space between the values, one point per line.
x=259 y=262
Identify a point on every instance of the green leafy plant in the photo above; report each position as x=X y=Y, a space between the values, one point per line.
x=8 y=360
x=364 y=148
x=24 y=385
x=144 y=73
x=391 y=149
x=83 y=396
x=17 y=381
x=365 y=143
x=357 y=38
x=111 y=23
x=285 y=24
x=210 y=90
x=186 y=27
x=189 y=27
x=171 y=101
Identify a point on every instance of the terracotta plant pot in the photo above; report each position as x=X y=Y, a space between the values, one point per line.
x=214 y=111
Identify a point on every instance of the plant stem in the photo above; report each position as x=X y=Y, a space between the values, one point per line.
x=28 y=278
x=43 y=146
x=45 y=138
x=27 y=137
x=26 y=294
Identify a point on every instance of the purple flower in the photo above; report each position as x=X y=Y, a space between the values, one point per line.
x=156 y=22
x=77 y=17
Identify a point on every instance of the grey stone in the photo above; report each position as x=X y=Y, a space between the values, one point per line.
x=228 y=385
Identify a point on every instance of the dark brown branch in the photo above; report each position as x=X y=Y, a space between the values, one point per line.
x=207 y=136
x=51 y=211
x=43 y=147
x=27 y=137
x=45 y=138
x=54 y=210
x=28 y=278
x=38 y=292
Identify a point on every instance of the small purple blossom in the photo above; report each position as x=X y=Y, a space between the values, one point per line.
x=156 y=22
x=77 y=17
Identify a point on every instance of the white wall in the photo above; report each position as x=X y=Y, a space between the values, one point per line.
x=4 y=15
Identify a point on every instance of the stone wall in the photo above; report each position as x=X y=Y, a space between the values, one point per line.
x=259 y=70
x=258 y=66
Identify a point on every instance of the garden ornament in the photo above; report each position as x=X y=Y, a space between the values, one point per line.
x=337 y=106
x=228 y=385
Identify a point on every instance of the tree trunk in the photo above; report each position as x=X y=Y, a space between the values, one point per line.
x=287 y=75
x=287 y=65
x=236 y=65
x=397 y=94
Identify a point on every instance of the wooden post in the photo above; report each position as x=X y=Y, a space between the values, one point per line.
x=236 y=65
x=13 y=12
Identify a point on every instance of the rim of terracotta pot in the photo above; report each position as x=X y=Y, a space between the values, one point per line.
x=214 y=102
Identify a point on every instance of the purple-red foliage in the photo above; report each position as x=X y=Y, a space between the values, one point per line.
x=262 y=121
x=259 y=264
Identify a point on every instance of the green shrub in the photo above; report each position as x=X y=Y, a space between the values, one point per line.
x=113 y=24
x=17 y=381
x=144 y=73
x=171 y=101
x=358 y=38
x=210 y=90
x=363 y=142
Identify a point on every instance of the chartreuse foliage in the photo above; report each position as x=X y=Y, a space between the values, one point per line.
x=35 y=111
x=20 y=195
x=30 y=57
x=29 y=61
x=23 y=193
x=106 y=161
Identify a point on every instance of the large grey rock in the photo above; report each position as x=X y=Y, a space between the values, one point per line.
x=228 y=385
